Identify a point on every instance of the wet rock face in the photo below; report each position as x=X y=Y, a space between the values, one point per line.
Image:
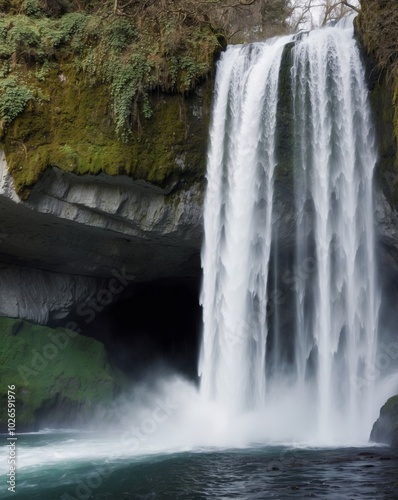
x=41 y=296
x=76 y=232
x=79 y=205
x=90 y=225
x=385 y=429
x=386 y=222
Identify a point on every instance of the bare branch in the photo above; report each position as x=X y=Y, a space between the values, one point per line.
x=344 y=2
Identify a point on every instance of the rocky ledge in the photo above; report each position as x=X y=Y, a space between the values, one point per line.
x=74 y=232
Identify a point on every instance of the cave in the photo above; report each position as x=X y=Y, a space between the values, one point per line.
x=152 y=326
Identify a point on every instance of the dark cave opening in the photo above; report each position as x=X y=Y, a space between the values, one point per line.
x=152 y=326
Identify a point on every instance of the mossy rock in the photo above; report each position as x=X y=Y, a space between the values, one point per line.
x=385 y=429
x=60 y=377
x=72 y=129
x=90 y=95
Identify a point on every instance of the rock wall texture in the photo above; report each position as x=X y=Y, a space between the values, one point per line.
x=377 y=30
x=41 y=296
x=76 y=230
x=90 y=225
x=385 y=429
x=97 y=206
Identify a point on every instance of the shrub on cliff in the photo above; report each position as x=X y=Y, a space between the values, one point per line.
x=131 y=56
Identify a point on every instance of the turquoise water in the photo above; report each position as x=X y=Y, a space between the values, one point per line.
x=47 y=471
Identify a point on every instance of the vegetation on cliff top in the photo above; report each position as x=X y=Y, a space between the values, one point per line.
x=132 y=56
x=54 y=68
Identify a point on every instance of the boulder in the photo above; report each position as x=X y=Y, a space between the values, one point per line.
x=59 y=378
x=385 y=429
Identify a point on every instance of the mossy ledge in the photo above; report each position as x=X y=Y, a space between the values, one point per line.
x=60 y=377
x=72 y=129
x=91 y=94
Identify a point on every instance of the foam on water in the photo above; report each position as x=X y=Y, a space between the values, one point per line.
x=172 y=417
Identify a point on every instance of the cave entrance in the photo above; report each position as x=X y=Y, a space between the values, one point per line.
x=154 y=325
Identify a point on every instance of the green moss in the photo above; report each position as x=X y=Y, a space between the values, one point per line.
x=32 y=8
x=88 y=96
x=131 y=61
x=53 y=370
x=71 y=128
x=13 y=99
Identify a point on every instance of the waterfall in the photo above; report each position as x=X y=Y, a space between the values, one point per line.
x=252 y=357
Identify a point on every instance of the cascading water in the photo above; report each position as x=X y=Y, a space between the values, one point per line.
x=248 y=360
x=238 y=216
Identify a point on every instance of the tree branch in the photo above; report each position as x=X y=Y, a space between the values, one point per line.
x=344 y=2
